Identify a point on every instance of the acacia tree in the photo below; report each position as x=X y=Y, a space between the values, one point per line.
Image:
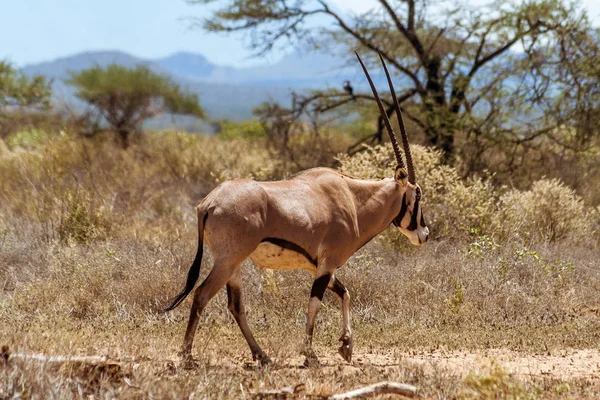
x=460 y=76
x=126 y=97
x=19 y=91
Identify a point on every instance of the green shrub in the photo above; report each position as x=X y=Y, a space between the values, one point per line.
x=251 y=129
x=82 y=220
x=26 y=138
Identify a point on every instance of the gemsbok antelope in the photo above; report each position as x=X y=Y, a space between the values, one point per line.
x=313 y=221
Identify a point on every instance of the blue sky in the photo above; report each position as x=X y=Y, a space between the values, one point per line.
x=41 y=30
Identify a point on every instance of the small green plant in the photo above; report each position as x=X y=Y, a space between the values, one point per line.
x=482 y=245
x=503 y=266
x=556 y=269
x=111 y=253
x=457 y=298
x=494 y=382
x=525 y=253
x=559 y=269
x=80 y=220
x=26 y=138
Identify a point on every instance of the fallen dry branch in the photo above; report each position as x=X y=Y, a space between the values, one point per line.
x=366 y=391
x=376 y=389
x=6 y=355
x=58 y=359
x=92 y=367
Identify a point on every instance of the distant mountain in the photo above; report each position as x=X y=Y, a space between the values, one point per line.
x=295 y=70
x=221 y=100
x=225 y=91
x=60 y=68
x=188 y=65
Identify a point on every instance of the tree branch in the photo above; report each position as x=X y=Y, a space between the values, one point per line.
x=371 y=46
x=480 y=62
x=409 y=33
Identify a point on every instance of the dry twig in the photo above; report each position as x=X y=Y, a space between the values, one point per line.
x=366 y=391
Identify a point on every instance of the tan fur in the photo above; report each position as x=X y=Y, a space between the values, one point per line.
x=328 y=214
x=271 y=256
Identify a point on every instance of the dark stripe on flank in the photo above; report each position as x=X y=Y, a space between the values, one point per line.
x=319 y=286
x=291 y=246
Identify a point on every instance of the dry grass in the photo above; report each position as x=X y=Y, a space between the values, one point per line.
x=94 y=240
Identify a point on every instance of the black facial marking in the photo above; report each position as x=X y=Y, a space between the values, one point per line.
x=403 y=209
x=338 y=288
x=291 y=246
x=415 y=211
x=423 y=224
x=319 y=286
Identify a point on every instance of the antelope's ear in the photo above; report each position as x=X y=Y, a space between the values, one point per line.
x=401 y=176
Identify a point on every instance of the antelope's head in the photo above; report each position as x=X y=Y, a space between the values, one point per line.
x=410 y=220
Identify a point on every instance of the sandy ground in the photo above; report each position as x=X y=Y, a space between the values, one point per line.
x=570 y=364
x=574 y=364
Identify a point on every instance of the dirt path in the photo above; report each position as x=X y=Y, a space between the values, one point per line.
x=570 y=364
x=577 y=364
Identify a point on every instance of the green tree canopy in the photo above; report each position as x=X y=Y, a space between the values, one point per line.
x=465 y=73
x=18 y=90
x=126 y=97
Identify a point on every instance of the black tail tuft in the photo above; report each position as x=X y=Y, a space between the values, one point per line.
x=192 y=277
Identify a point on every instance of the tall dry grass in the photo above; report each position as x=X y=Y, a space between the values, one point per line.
x=94 y=240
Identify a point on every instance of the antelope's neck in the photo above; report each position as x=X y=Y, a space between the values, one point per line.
x=377 y=204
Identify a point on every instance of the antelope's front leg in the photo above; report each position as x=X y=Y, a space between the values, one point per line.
x=345 y=349
x=314 y=304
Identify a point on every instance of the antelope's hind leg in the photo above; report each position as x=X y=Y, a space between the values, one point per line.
x=216 y=279
x=236 y=306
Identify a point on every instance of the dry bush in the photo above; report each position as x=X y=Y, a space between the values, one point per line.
x=457 y=208
x=84 y=189
x=209 y=160
x=548 y=211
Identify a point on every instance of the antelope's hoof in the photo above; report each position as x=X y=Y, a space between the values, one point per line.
x=311 y=361
x=262 y=358
x=345 y=349
x=187 y=362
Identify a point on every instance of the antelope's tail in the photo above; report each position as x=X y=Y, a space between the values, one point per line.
x=194 y=271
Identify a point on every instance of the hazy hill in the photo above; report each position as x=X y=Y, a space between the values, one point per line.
x=295 y=70
x=225 y=92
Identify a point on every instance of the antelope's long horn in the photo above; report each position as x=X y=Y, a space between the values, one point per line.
x=386 y=120
x=409 y=161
